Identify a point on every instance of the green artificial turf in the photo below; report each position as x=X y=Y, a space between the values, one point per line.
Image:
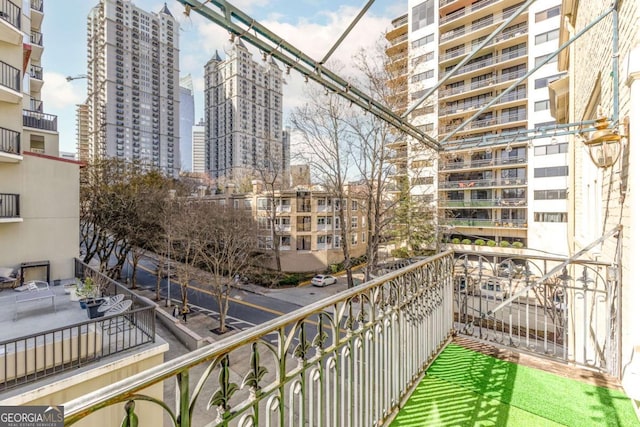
x=466 y=388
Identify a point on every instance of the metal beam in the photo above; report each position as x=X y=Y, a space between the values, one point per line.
x=261 y=37
x=347 y=31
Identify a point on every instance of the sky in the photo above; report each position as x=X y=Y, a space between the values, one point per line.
x=310 y=25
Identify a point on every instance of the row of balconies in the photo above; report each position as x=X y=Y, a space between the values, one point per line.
x=505 y=77
x=507 y=34
x=464 y=11
x=482 y=183
x=486 y=222
x=479 y=163
x=484 y=203
x=468 y=104
x=493 y=60
x=485 y=122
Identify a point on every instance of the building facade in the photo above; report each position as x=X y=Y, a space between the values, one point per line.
x=494 y=180
x=198 y=147
x=243 y=114
x=603 y=80
x=39 y=191
x=133 y=85
x=187 y=120
x=308 y=225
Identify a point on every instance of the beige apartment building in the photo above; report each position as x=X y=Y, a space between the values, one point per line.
x=309 y=224
x=39 y=210
x=603 y=80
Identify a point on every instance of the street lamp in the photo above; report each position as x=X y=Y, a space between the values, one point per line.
x=172 y=195
x=78 y=77
x=603 y=144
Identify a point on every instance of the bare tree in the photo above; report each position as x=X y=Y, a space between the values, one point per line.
x=229 y=246
x=271 y=176
x=322 y=125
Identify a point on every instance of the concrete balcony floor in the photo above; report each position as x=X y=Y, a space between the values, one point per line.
x=474 y=384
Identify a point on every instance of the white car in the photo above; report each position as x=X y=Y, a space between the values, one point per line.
x=492 y=290
x=323 y=280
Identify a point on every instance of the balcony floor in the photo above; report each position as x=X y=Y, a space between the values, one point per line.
x=472 y=384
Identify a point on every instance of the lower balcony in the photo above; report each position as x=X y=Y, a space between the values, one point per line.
x=9 y=146
x=10 y=207
x=355 y=358
x=37 y=120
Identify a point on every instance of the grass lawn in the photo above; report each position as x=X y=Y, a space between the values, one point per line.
x=466 y=388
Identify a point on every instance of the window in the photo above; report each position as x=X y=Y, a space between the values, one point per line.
x=354 y=238
x=545 y=150
x=419 y=94
x=547 y=37
x=541 y=105
x=337 y=242
x=550 y=194
x=264 y=223
x=550 y=216
x=426 y=127
x=422 y=180
x=551 y=171
x=422 y=15
x=540 y=59
x=337 y=223
x=422 y=58
x=416 y=164
x=547 y=14
x=354 y=205
x=422 y=111
x=354 y=222
x=422 y=76
x=544 y=82
x=422 y=41
x=263 y=204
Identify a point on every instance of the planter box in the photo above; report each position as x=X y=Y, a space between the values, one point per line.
x=92 y=308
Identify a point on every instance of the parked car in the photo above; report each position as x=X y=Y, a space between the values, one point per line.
x=323 y=280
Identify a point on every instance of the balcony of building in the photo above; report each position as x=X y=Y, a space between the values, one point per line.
x=470 y=87
x=10 y=23
x=37 y=13
x=9 y=146
x=486 y=63
x=41 y=121
x=10 y=84
x=400 y=27
x=10 y=208
x=35 y=78
x=454 y=13
x=37 y=46
x=345 y=360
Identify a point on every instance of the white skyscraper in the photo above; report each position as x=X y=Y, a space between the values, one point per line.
x=243 y=114
x=187 y=120
x=133 y=97
x=197 y=146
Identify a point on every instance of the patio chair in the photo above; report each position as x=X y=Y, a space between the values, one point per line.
x=113 y=321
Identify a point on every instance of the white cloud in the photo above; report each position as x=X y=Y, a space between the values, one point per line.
x=58 y=93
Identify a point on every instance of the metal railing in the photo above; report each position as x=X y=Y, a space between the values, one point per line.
x=35 y=105
x=560 y=308
x=473 y=183
x=10 y=12
x=9 y=205
x=473 y=203
x=462 y=12
x=30 y=358
x=347 y=360
x=491 y=61
x=34 y=119
x=9 y=76
x=9 y=141
x=37 y=5
x=35 y=71
x=36 y=38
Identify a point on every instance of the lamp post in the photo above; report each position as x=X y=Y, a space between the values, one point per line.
x=603 y=144
x=172 y=195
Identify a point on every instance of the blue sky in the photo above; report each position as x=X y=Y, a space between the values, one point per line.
x=312 y=25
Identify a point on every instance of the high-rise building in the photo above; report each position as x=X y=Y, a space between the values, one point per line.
x=243 y=114
x=39 y=190
x=198 y=147
x=82 y=132
x=187 y=120
x=494 y=181
x=133 y=95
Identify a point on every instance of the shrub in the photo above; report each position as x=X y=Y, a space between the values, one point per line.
x=466 y=242
x=479 y=242
x=400 y=253
x=455 y=241
x=491 y=243
x=504 y=244
x=518 y=245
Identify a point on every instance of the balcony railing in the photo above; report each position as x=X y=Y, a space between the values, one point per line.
x=9 y=76
x=10 y=12
x=564 y=309
x=136 y=327
x=452 y=165
x=35 y=105
x=36 y=72
x=9 y=141
x=36 y=38
x=37 y=5
x=491 y=61
x=34 y=119
x=9 y=206
x=484 y=203
x=462 y=12
x=474 y=183
x=348 y=360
